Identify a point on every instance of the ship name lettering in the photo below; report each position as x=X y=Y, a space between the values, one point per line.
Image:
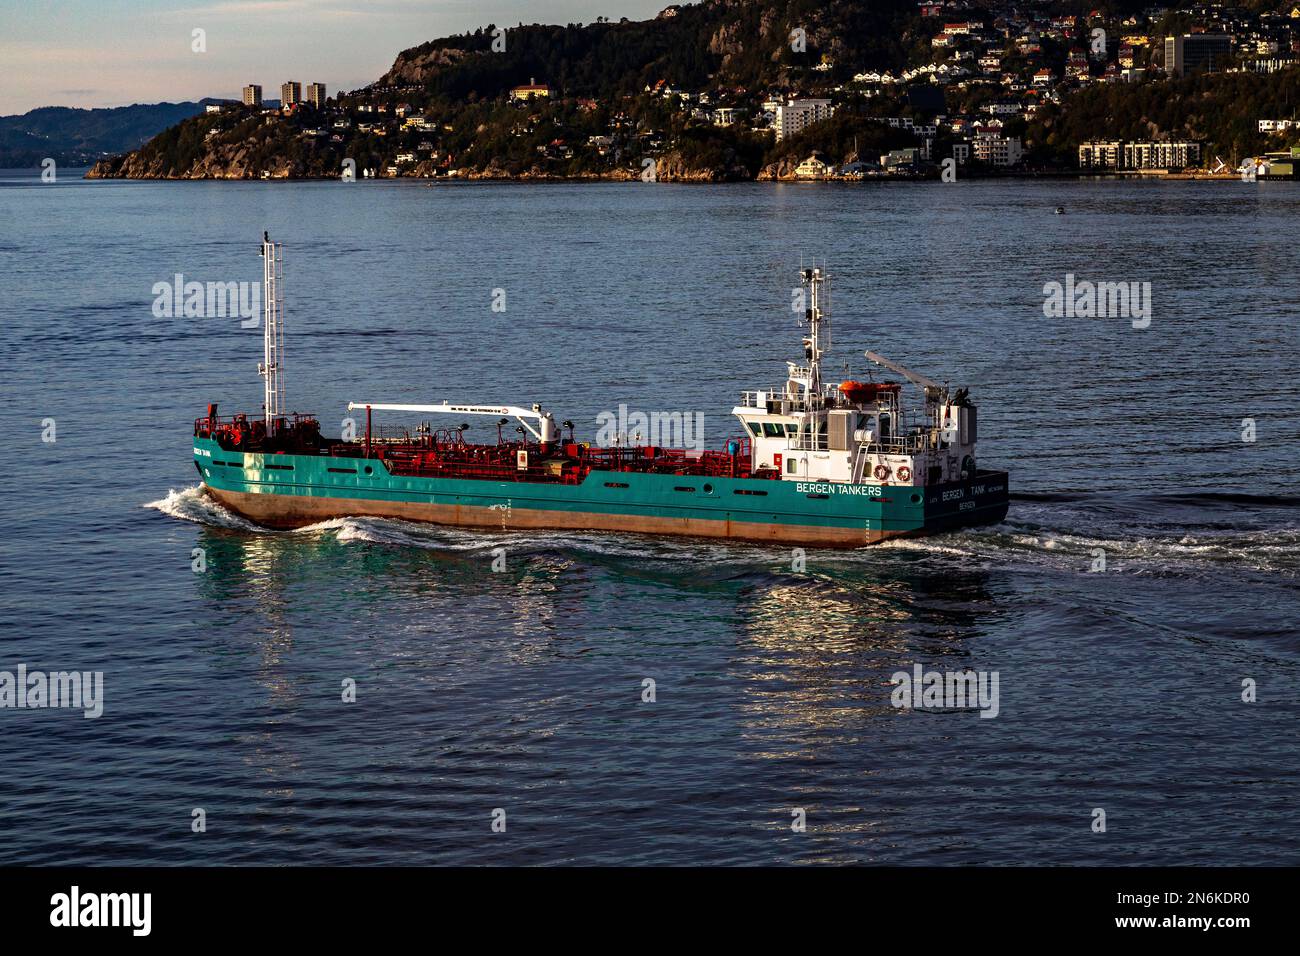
x=871 y=491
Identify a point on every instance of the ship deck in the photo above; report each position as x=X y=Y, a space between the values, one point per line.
x=444 y=453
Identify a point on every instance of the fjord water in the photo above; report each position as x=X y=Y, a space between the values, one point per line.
x=522 y=690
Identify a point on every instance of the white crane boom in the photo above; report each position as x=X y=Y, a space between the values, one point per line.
x=546 y=430
x=913 y=377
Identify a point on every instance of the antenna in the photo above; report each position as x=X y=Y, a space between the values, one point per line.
x=272 y=331
x=819 y=327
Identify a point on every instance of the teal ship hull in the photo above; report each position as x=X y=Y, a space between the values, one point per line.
x=294 y=490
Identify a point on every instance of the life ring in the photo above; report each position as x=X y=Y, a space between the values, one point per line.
x=881 y=472
x=904 y=473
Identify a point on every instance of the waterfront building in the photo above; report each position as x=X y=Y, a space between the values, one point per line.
x=316 y=94
x=900 y=157
x=1097 y=154
x=1161 y=155
x=1139 y=154
x=998 y=150
x=290 y=93
x=811 y=168
x=1282 y=165
x=252 y=95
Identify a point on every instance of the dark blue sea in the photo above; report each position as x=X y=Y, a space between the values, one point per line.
x=1121 y=689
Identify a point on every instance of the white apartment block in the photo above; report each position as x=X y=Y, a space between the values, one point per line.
x=1173 y=155
x=796 y=115
x=1099 y=154
x=1114 y=154
x=998 y=150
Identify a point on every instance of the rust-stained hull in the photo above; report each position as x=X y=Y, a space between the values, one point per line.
x=275 y=511
x=290 y=491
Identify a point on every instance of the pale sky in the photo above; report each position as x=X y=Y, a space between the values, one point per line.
x=116 y=52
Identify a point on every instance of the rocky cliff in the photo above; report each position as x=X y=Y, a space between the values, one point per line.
x=225 y=161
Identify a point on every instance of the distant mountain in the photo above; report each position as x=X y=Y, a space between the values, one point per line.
x=77 y=137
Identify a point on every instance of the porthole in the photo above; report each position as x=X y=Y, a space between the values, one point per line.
x=916 y=499
x=369 y=470
x=708 y=489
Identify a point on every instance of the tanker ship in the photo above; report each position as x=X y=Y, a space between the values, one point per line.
x=814 y=463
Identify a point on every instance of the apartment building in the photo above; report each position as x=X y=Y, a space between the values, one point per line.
x=796 y=115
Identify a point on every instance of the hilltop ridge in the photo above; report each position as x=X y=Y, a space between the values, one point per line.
x=697 y=93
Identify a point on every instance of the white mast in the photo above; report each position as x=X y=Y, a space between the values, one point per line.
x=819 y=328
x=272 y=331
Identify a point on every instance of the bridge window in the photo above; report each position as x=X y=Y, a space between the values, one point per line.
x=773 y=429
x=753 y=427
